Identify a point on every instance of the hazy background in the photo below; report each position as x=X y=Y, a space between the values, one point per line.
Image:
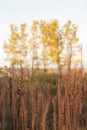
x=19 y=11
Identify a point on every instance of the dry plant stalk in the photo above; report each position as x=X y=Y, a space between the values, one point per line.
x=44 y=115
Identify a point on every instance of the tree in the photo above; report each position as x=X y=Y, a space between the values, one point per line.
x=16 y=50
x=52 y=39
x=71 y=44
x=16 y=46
x=34 y=46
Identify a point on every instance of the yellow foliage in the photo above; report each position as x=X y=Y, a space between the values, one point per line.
x=16 y=45
x=52 y=52
x=15 y=60
x=67 y=31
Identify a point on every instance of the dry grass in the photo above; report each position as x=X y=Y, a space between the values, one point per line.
x=32 y=106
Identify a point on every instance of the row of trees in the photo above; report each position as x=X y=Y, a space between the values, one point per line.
x=44 y=44
x=29 y=104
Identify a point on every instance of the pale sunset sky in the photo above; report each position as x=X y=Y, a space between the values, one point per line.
x=19 y=11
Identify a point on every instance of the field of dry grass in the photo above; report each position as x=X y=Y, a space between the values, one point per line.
x=46 y=102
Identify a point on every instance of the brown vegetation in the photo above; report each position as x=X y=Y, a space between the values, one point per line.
x=26 y=105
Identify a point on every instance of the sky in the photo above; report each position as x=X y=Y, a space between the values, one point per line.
x=20 y=11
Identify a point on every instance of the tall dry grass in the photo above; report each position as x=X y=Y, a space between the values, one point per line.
x=26 y=105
